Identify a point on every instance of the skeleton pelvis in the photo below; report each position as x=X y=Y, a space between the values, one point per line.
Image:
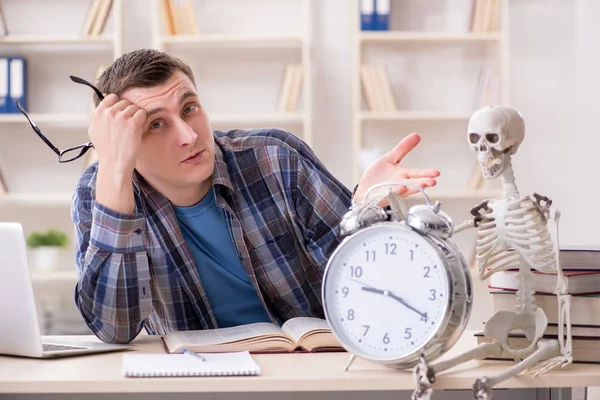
x=532 y=324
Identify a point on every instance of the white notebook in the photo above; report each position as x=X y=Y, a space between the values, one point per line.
x=216 y=364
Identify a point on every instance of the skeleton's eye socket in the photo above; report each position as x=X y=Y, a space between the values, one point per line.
x=474 y=138
x=492 y=137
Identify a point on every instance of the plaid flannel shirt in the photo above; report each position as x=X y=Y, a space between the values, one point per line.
x=282 y=208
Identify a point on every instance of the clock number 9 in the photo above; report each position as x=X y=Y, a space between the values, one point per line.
x=345 y=290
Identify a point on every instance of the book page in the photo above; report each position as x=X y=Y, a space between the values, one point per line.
x=299 y=327
x=228 y=335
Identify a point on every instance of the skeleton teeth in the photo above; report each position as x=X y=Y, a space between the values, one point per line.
x=491 y=162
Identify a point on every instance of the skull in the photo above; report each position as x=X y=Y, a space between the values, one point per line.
x=495 y=133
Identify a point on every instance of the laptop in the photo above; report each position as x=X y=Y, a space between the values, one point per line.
x=19 y=325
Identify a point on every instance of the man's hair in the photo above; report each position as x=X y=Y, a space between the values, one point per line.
x=140 y=68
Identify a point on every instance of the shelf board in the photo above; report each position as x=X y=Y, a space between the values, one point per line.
x=29 y=39
x=414 y=116
x=220 y=39
x=36 y=199
x=46 y=118
x=411 y=36
x=269 y=118
x=435 y=194
x=53 y=276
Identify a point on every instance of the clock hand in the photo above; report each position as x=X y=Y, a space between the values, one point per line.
x=401 y=300
x=369 y=288
x=363 y=284
x=393 y=296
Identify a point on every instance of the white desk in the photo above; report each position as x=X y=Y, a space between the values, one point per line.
x=101 y=373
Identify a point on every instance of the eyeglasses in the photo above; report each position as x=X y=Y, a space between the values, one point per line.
x=71 y=153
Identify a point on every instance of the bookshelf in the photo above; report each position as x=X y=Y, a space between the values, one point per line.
x=39 y=188
x=433 y=67
x=231 y=47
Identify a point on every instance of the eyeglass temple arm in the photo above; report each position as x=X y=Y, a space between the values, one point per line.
x=36 y=129
x=82 y=81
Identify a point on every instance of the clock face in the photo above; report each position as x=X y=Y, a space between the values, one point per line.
x=386 y=292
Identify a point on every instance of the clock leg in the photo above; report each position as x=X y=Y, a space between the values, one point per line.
x=350 y=361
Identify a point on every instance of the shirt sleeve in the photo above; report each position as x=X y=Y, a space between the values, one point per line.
x=320 y=201
x=113 y=287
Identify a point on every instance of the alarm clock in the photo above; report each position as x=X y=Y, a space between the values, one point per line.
x=396 y=288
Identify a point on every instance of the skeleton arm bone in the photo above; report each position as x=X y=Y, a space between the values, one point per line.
x=564 y=313
x=473 y=223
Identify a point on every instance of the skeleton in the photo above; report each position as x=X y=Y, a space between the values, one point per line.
x=512 y=232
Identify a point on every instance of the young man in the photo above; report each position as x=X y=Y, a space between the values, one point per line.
x=182 y=228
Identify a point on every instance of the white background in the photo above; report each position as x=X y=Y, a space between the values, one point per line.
x=554 y=82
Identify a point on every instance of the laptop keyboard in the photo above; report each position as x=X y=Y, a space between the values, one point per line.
x=57 y=347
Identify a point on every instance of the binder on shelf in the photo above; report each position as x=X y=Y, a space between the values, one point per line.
x=367 y=15
x=382 y=15
x=3 y=85
x=17 y=83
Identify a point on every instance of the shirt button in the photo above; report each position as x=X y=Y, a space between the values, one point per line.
x=138 y=231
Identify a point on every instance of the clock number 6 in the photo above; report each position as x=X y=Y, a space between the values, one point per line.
x=386 y=339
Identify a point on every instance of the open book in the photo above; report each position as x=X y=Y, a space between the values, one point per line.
x=302 y=334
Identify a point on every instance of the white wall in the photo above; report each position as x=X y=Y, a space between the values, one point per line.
x=555 y=83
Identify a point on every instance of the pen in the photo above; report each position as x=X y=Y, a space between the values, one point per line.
x=191 y=353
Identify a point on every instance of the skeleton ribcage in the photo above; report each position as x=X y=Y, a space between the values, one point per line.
x=512 y=232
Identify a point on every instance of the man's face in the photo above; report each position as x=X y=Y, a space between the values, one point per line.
x=178 y=148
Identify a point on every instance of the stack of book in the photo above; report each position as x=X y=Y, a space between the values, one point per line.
x=377 y=88
x=3 y=28
x=581 y=268
x=178 y=17
x=485 y=16
x=290 y=88
x=96 y=17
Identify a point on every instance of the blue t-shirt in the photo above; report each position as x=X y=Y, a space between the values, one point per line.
x=230 y=293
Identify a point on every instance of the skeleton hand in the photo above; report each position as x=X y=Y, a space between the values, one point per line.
x=424 y=377
x=543 y=204
x=475 y=211
x=481 y=390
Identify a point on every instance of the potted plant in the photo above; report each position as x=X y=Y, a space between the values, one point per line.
x=46 y=248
